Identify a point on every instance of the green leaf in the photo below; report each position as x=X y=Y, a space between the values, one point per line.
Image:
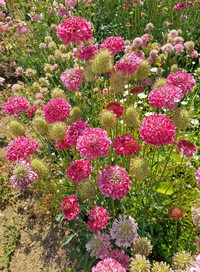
x=69 y=238
x=1 y=257
x=59 y=218
x=175 y=158
x=165 y=188
x=165 y=55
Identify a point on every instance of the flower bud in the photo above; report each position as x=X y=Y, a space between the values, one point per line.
x=57 y=93
x=40 y=169
x=117 y=81
x=102 y=63
x=17 y=129
x=58 y=131
x=41 y=126
x=159 y=83
x=181 y=118
x=182 y=260
x=142 y=246
x=131 y=117
x=139 y=168
x=174 y=68
x=143 y=71
x=107 y=118
x=75 y=114
x=89 y=75
x=86 y=188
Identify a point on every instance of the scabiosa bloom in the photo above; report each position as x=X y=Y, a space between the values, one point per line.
x=175 y=212
x=23 y=175
x=136 y=90
x=137 y=42
x=149 y=27
x=121 y=257
x=114 y=182
x=108 y=265
x=75 y=131
x=161 y=267
x=193 y=54
x=183 y=80
x=157 y=130
x=93 y=143
x=20 y=148
x=71 y=78
x=139 y=263
x=86 y=52
x=125 y=145
x=15 y=105
x=182 y=260
x=179 y=6
x=74 y=29
x=165 y=97
x=97 y=219
x=187 y=147
x=114 y=106
x=179 y=48
x=142 y=246
x=124 y=230
x=31 y=110
x=198 y=175
x=70 y=3
x=113 y=44
x=57 y=110
x=2 y=3
x=70 y=207
x=99 y=245
x=128 y=63
x=168 y=47
x=79 y=170
x=22 y=30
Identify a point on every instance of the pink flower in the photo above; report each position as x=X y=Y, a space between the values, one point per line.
x=179 y=6
x=149 y=27
x=124 y=230
x=20 y=148
x=23 y=175
x=71 y=78
x=39 y=95
x=105 y=91
x=75 y=131
x=97 y=219
x=93 y=143
x=121 y=257
x=86 y=52
x=190 y=3
x=165 y=97
x=15 y=105
x=108 y=265
x=74 y=29
x=137 y=42
x=175 y=212
x=116 y=108
x=128 y=63
x=198 y=175
x=22 y=30
x=31 y=110
x=70 y=207
x=114 y=182
x=187 y=147
x=179 y=48
x=62 y=144
x=113 y=44
x=183 y=80
x=79 y=170
x=168 y=47
x=154 y=53
x=145 y=38
x=157 y=130
x=70 y=3
x=193 y=54
x=137 y=90
x=54 y=67
x=96 y=90
x=2 y=3
x=56 y=110
x=62 y=12
x=125 y=145
x=99 y=245
x=196 y=264
x=2 y=15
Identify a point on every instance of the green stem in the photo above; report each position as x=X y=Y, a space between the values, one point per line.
x=113 y=206
x=175 y=234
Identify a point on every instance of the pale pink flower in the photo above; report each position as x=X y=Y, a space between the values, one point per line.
x=124 y=230
x=70 y=3
x=71 y=78
x=137 y=42
x=2 y=3
x=108 y=265
x=168 y=47
x=99 y=245
x=179 y=48
x=54 y=67
x=196 y=264
x=193 y=54
x=38 y=95
x=149 y=27
x=154 y=53
x=62 y=12
x=22 y=30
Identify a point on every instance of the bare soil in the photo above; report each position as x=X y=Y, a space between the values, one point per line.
x=39 y=247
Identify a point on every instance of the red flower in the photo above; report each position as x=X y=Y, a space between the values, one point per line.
x=70 y=207
x=114 y=106
x=127 y=5
x=31 y=110
x=128 y=24
x=125 y=145
x=137 y=90
x=175 y=212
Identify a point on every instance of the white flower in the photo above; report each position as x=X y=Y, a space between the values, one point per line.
x=140 y=102
x=142 y=95
x=126 y=86
x=184 y=103
x=194 y=122
x=196 y=157
x=149 y=114
x=126 y=93
x=154 y=69
x=121 y=122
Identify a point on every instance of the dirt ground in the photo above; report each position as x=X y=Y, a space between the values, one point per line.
x=39 y=247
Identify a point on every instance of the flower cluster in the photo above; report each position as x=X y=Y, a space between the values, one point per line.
x=71 y=78
x=75 y=131
x=20 y=148
x=108 y=265
x=79 y=170
x=15 y=105
x=114 y=106
x=86 y=52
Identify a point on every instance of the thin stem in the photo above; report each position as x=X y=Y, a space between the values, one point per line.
x=113 y=206
x=175 y=234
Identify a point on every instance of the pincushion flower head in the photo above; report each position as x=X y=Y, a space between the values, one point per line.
x=86 y=52
x=198 y=175
x=70 y=207
x=175 y=212
x=20 y=148
x=108 y=265
x=128 y=63
x=79 y=170
x=97 y=218
x=182 y=261
x=113 y=44
x=114 y=182
x=157 y=130
x=99 y=245
x=125 y=145
x=56 y=110
x=187 y=147
x=124 y=230
x=139 y=263
x=15 y=105
x=121 y=257
x=142 y=246
x=70 y=3
x=74 y=29
x=183 y=80
x=165 y=97
x=71 y=78
x=93 y=143
x=114 y=106
x=75 y=131
x=23 y=175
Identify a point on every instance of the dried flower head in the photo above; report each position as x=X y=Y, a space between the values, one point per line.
x=142 y=246
x=182 y=260
x=139 y=263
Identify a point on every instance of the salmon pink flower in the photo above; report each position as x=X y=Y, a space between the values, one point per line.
x=175 y=212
